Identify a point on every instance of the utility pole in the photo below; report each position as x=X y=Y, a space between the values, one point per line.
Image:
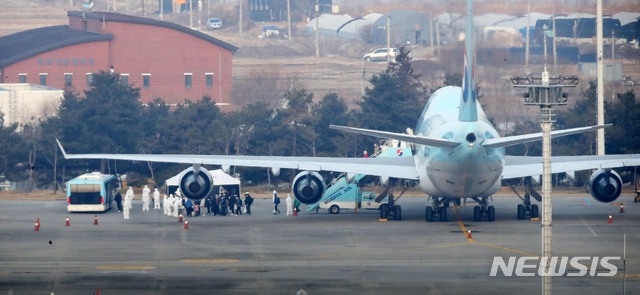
x=553 y=37
x=317 y=7
x=240 y=19
x=600 y=72
x=190 y=14
x=388 y=37
x=289 y=20
x=526 y=41
x=545 y=92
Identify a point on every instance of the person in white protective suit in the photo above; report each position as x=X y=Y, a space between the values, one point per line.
x=176 y=205
x=168 y=205
x=128 y=203
x=289 y=202
x=146 y=198
x=156 y=199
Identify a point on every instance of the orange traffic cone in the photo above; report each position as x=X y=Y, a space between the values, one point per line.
x=67 y=223
x=621 y=208
x=295 y=212
x=95 y=220
x=37 y=227
x=468 y=234
x=186 y=224
x=610 y=219
x=180 y=218
x=98 y=291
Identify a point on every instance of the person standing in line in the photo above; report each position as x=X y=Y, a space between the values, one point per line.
x=289 y=202
x=207 y=203
x=248 y=200
x=118 y=199
x=215 y=204
x=146 y=198
x=232 y=204
x=276 y=201
x=238 y=206
x=156 y=199
x=223 y=205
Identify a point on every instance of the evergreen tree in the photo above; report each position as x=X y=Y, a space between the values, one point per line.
x=13 y=152
x=395 y=100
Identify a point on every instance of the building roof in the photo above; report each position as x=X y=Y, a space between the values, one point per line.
x=22 y=45
x=123 y=18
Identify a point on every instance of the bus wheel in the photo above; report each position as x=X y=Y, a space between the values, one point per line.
x=334 y=209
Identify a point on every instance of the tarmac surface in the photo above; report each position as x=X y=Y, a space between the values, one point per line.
x=319 y=253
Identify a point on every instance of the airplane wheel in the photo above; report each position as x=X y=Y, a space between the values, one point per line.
x=397 y=212
x=334 y=209
x=429 y=214
x=520 y=212
x=491 y=213
x=535 y=212
x=443 y=214
x=477 y=213
x=384 y=211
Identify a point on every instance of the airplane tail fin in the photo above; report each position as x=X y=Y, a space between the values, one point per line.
x=468 y=108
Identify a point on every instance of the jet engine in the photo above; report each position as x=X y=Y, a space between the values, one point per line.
x=605 y=186
x=196 y=183
x=308 y=187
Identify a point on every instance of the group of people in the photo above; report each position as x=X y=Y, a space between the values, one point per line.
x=226 y=203
x=216 y=204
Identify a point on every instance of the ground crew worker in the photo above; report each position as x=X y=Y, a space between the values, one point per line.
x=145 y=198
x=289 y=202
x=176 y=206
x=128 y=203
x=296 y=206
x=156 y=199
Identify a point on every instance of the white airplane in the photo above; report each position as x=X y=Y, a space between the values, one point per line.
x=458 y=155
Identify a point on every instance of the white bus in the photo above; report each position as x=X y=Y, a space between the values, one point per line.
x=91 y=192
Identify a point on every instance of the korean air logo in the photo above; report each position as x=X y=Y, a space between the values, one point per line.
x=399 y=152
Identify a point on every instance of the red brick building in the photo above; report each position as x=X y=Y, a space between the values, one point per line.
x=162 y=59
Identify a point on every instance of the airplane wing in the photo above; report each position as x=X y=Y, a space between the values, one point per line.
x=521 y=166
x=396 y=167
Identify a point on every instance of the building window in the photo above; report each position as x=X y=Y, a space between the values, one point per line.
x=124 y=79
x=146 y=80
x=89 y=78
x=208 y=77
x=68 y=79
x=188 y=80
x=22 y=78
x=43 y=79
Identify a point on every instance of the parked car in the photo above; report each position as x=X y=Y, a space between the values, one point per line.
x=380 y=54
x=270 y=32
x=214 y=23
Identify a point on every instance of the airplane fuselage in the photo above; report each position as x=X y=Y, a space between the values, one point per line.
x=467 y=170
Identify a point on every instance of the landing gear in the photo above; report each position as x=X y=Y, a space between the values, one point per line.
x=526 y=210
x=438 y=210
x=391 y=210
x=483 y=210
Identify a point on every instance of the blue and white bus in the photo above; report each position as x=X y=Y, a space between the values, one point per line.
x=91 y=192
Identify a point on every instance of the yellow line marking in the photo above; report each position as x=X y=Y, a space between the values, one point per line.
x=464 y=231
x=461 y=224
x=124 y=267
x=212 y=260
